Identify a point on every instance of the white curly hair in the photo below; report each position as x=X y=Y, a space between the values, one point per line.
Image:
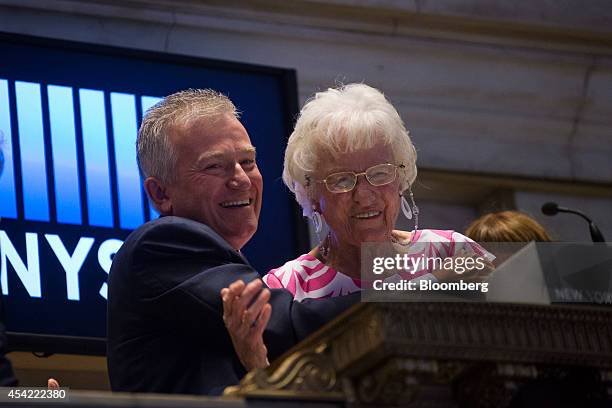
x=340 y=120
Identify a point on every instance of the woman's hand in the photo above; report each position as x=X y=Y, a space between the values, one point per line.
x=246 y=313
x=477 y=271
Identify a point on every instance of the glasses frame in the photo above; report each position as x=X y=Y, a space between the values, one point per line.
x=363 y=173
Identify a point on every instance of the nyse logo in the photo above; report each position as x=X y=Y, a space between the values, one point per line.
x=29 y=274
x=70 y=159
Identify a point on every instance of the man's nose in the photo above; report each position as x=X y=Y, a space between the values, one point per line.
x=240 y=179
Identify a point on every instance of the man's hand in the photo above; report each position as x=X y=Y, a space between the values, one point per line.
x=53 y=384
x=246 y=313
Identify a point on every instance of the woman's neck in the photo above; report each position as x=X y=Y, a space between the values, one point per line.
x=343 y=258
x=347 y=258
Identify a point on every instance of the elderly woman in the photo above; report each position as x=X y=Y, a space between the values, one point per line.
x=350 y=163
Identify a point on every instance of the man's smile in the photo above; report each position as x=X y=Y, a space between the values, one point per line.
x=236 y=203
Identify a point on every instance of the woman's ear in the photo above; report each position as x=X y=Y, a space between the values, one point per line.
x=316 y=206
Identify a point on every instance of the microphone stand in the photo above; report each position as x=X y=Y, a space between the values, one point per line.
x=596 y=235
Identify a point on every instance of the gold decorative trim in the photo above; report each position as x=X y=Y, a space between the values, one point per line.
x=383 y=354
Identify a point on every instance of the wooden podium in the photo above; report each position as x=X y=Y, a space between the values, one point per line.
x=446 y=355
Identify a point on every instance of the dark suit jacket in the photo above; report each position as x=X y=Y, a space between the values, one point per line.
x=165 y=326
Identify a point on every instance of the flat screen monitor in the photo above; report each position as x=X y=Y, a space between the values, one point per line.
x=70 y=192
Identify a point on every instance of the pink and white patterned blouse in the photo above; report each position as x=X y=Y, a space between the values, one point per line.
x=308 y=278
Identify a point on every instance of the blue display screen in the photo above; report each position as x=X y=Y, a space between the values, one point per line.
x=70 y=192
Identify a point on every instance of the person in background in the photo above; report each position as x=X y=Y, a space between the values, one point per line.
x=507 y=226
x=506 y=232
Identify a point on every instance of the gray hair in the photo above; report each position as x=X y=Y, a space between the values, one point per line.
x=155 y=154
x=351 y=117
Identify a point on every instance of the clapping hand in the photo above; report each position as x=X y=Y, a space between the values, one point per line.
x=246 y=313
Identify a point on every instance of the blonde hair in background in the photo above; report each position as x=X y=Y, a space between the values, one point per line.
x=507 y=226
x=155 y=154
x=340 y=120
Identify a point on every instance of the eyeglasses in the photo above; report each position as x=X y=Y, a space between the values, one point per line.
x=345 y=181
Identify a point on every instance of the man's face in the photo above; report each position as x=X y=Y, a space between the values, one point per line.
x=217 y=180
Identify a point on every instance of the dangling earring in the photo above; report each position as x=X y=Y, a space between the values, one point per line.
x=410 y=210
x=415 y=211
x=405 y=207
x=317 y=222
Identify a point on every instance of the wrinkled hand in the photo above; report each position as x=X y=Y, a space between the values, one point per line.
x=472 y=274
x=246 y=313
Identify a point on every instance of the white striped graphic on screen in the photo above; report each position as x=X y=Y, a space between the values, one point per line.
x=100 y=115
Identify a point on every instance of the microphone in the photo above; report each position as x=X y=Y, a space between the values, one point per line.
x=553 y=209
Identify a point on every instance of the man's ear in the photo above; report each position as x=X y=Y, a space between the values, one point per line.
x=157 y=193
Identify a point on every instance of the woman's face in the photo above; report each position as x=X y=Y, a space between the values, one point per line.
x=366 y=213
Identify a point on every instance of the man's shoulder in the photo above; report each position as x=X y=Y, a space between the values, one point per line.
x=169 y=238
x=175 y=229
x=168 y=252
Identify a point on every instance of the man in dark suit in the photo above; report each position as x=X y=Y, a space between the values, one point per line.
x=7 y=377
x=165 y=316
